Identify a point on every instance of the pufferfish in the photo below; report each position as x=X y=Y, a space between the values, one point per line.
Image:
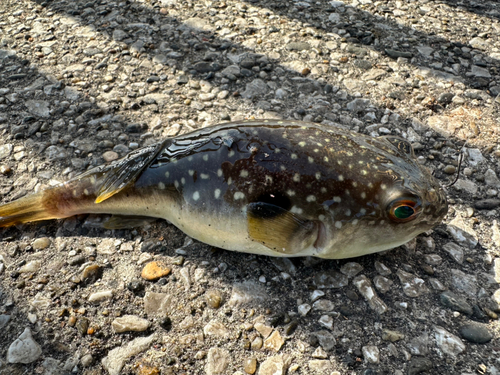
x=272 y=187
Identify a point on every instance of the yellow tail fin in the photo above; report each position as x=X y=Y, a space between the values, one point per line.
x=23 y=210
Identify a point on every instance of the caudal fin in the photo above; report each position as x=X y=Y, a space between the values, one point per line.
x=23 y=210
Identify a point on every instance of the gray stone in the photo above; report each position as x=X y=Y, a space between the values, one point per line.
x=455 y=251
x=455 y=302
x=487 y=204
x=116 y=358
x=24 y=349
x=276 y=365
x=246 y=292
x=479 y=43
x=99 y=297
x=477 y=71
x=364 y=286
x=217 y=361
x=119 y=35
x=325 y=339
x=327 y=280
x=412 y=286
x=476 y=333
x=358 y=105
x=491 y=179
x=5 y=150
x=419 y=365
x=383 y=284
x=298 y=46
x=130 y=323
x=216 y=328
x=38 y=107
x=351 y=269
x=419 y=345
x=463 y=282
x=4 y=319
x=395 y=54
x=448 y=342
x=371 y=354
x=55 y=153
x=157 y=303
x=255 y=89
x=461 y=233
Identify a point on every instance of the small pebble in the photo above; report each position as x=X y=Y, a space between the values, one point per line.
x=110 y=156
x=250 y=365
x=154 y=270
x=476 y=333
x=214 y=298
x=41 y=243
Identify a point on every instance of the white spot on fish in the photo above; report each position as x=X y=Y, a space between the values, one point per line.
x=217 y=193
x=269 y=179
x=205 y=157
x=183 y=180
x=354 y=222
x=161 y=185
x=338 y=224
x=363 y=195
x=290 y=192
x=204 y=176
x=364 y=172
x=296 y=177
x=176 y=183
x=229 y=181
x=302 y=144
x=282 y=167
x=191 y=172
x=86 y=192
x=230 y=154
x=362 y=211
x=325 y=159
x=318 y=175
x=354 y=184
x=296 y=210
x=92 y=180
x=239 y=195
x=341 y=178
x=277 y=150
x=323 y=189
x=347 y=212
x=294 y=156
x=311 y=198
x=219 y=172
x=310 y=159
x=243 y=173
x=196 y=195
x=383 y=186
x=321 y=217
x=337 y=199
x=167 y=174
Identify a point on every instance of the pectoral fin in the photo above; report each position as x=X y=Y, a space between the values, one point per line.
x=279 y=229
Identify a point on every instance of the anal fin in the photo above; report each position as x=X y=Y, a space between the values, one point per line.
x=126 y=222
x=280 y=230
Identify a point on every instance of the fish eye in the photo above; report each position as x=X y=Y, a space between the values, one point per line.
x=404 y=210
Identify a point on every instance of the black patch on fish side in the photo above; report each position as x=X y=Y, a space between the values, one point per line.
x=275 y=199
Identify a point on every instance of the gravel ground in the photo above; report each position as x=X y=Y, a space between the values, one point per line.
x=83 y=82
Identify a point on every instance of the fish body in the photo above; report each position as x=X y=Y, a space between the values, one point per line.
x=279 y=188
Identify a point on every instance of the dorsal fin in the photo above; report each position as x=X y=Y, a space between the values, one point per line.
x=123 y=172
